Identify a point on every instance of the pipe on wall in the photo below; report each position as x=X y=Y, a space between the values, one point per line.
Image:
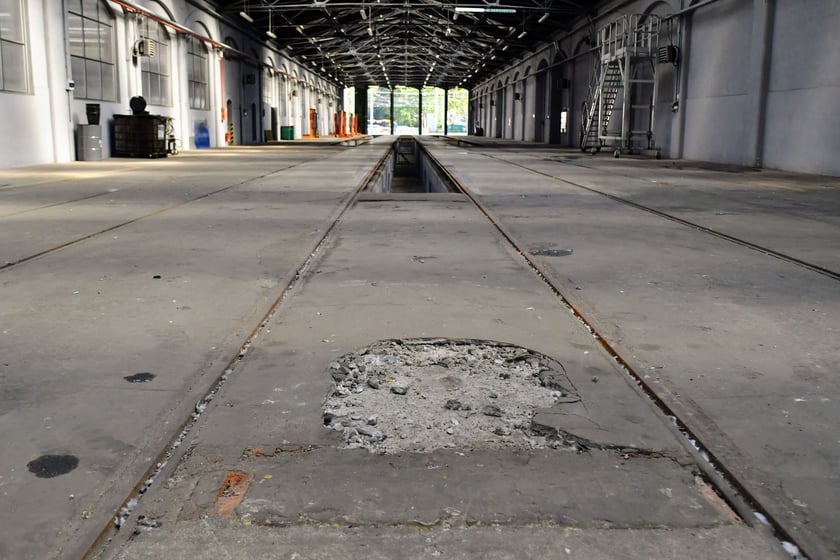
x=689 y=9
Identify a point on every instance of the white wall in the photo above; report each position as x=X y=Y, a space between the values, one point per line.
x=38 y=127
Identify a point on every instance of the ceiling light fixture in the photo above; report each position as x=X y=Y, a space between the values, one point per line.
x=363 y=13
x=522 y=34
x=246 y=17
x=543 y=18
x=485 y=9
x=270 y=32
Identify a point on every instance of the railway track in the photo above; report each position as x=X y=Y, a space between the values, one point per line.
x=714 y=468
x=724 y=481
x=122 y=224
x=833 y=274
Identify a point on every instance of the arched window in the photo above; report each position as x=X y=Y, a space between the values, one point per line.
x=197 y=74
x=90 y=30
x=156 y=69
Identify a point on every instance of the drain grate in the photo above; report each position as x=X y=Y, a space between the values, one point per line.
x=419 y=395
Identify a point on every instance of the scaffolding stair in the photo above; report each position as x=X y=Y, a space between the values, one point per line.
x=623 y=70
x=600 y=102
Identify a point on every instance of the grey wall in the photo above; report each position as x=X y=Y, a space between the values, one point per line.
x=803 y=113
x=758 y=82
x=717 y=100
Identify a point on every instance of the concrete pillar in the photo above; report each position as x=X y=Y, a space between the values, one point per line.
x=682 y=101
x=362 y=108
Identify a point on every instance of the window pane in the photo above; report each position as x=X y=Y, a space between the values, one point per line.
x=163 y=59
x=77 y=66
x=147 y=87
x=106 y=43
x=89 y=8
x=75 y=35
x=91 y=39
x=109 y=85
x=11 y=25
x=14 y=67
x=154 y=89
x=74 y=6
x=164 y=90
x=94 y=79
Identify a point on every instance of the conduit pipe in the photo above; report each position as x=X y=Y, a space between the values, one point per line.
x=134 y=8
x=689 y=9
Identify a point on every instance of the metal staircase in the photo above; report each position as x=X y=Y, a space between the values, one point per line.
x=598 y=109
x=623 y=84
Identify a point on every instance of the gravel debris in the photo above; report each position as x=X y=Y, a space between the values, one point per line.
x=492 y=410
x=402 y=386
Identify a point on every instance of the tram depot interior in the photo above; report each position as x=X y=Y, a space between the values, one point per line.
x=415 y=279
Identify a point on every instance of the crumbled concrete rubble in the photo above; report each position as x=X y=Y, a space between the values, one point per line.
x=420 y=395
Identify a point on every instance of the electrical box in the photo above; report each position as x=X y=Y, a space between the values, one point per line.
x=146 y=47
x=668 y=54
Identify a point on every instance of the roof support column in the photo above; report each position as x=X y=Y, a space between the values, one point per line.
x=392 y=112
x=446 y=112
x=362 y=109
x=419 y=110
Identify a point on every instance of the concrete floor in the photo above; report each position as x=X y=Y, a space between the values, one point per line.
x=169 y=266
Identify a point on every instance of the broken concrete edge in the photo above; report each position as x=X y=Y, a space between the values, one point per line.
x=187 y=415
x=525 y=380
x=190 y=539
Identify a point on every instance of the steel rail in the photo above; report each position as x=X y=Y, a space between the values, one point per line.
x=23 y=260
x=162 y=464
x=722 y=479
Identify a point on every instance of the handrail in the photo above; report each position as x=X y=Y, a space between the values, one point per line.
x=634 y=34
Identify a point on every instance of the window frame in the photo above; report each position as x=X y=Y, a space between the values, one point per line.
x=152 y=69
x=84 y=65
x=19 y=43
x=198 y=56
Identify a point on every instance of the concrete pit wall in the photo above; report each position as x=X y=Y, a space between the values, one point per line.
x=414 y=167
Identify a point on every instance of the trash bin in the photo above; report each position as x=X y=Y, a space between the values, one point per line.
x=92 y=110
x=89 y=142
x=287 y=133
x=202 y=136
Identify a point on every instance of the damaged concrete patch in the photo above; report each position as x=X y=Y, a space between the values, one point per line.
x=424 y=394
